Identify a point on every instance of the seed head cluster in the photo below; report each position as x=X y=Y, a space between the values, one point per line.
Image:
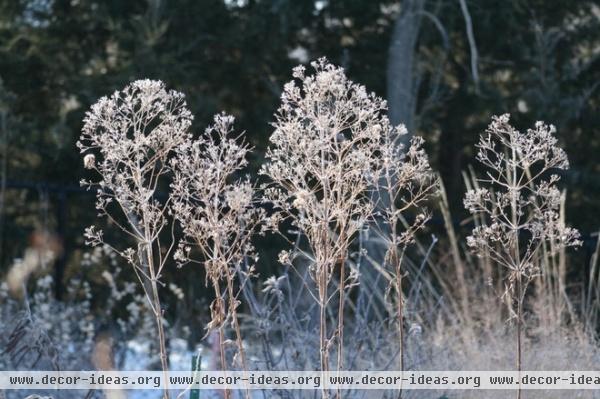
x=518 y=198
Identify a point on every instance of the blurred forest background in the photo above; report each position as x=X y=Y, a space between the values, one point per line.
x=445 y=66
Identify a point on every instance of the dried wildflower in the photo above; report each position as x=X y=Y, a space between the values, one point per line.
x=323 y=157
x=89 y=161
x=218 y=215
x=217 y=212
x=521 y=208
x=274 y=286
x=405 y=182
x=128 y=139
x=518 y=207
x=284 y=258
x=331 y=145
x=93 y=237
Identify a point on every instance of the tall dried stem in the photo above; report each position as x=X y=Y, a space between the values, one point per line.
x=219 y=217
x=331 y=149
x=323 y=158
x=405 y=183
x=518 y=208
x=128 y=139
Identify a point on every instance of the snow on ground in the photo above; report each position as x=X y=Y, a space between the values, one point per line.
x=180 y=358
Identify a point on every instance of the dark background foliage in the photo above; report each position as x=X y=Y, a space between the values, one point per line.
x=537 y=59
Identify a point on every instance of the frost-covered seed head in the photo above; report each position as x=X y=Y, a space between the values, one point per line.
x=518 y=199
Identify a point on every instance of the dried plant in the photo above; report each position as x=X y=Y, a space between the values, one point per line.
x=42 y=331
x=128 y=139
x=219 y=216
x=518 y=202
x=324 y=158
x=406 y=181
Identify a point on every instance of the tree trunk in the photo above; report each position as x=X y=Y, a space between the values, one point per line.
x=402 y=82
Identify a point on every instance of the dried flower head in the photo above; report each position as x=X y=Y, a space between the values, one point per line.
x=518 y=206
x=324 y=156
x=327 y=153
x=219 y=216
x=217 y=211
x=89 y=161
x=128 y=137
x=518 y=199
